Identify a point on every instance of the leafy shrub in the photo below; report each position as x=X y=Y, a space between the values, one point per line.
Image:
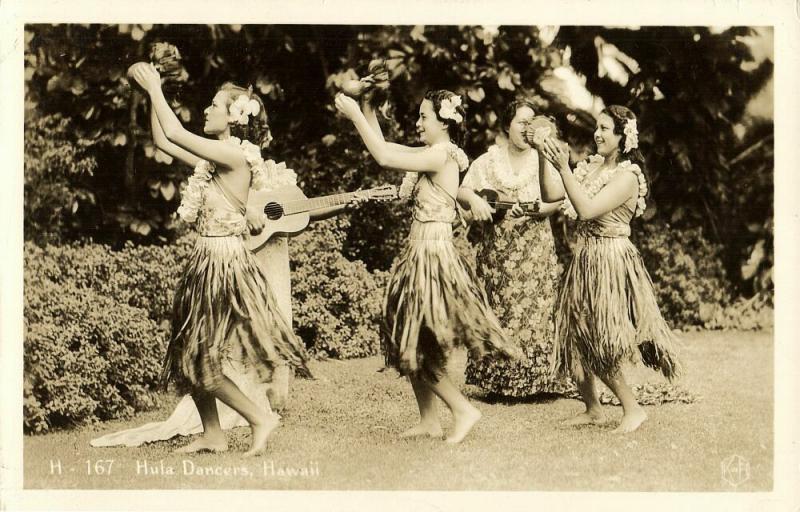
x=337 y=302
x=97 y=322
x=86 y=357
x=138 y=276
x=687 y=271
x=56 y=161
x=755 y=313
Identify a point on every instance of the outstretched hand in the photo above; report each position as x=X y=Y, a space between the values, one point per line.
x=556 y=153
x=145 y=75
x=347 y=106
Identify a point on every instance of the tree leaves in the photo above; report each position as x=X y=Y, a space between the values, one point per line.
x=689 y=91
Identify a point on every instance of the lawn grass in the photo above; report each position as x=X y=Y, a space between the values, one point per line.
x=343 y=429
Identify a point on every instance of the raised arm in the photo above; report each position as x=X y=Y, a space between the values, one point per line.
x=391 y=156
x=162 y=143
x=552 y=187
x=372 y=120
x=616 y=192
x=620 y=189
x=215 y=151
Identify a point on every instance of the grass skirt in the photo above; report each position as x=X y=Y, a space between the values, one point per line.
x=606 y=312
x=225 y=310
x=434 y=303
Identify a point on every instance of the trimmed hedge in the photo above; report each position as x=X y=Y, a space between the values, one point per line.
x=87 y=356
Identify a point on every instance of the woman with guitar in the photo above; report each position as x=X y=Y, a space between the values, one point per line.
x=433 y=301
x=516 y=254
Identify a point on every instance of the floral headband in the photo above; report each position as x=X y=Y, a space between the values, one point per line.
x=448 y=108
x=242 y=108
x=631 y=136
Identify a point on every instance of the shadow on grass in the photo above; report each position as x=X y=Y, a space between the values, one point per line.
x=492 y=398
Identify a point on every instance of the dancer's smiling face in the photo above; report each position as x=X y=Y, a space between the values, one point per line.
x=216 y=114
x=429 y=127
x=604 y=137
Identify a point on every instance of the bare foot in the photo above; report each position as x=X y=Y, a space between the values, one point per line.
x=463 y=424
x=424 y=429
x=585 y=418
x=260 y=434
x=630 y=421
x=205 y=444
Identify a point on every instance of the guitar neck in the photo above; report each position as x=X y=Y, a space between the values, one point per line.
x=506 y=205
x=318 y=203
x=502 y=205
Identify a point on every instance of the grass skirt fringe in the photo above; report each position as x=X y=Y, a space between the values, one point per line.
x=606 y=312
x=434 y=303
x=224 y=309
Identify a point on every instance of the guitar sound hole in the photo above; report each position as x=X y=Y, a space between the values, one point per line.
x=274 y=211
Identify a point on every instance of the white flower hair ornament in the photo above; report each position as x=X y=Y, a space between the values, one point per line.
x=631 y=136
x=242 y=108
x=448 y=109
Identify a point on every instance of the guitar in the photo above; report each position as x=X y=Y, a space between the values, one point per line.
x=288 y=209
x=501 y=203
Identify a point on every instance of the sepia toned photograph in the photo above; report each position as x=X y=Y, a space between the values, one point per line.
x=399 y=257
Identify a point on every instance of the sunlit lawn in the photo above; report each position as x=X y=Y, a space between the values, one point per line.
x=343 y=430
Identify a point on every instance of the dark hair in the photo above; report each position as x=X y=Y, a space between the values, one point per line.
x=511 y=110
x=456 y=130
x=620 y=115
x=257 y=128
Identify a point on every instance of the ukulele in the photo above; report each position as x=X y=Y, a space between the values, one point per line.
x=501 y=203
x=288 y=209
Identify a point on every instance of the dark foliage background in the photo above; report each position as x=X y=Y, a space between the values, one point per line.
x=710 y=165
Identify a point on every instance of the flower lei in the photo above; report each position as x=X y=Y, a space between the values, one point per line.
x=448 y=108
x=192 y=195
x=499 y=172
x=242 y=108
x=411 y=179
x=583 y=169
x=265 y=175
x=631 y=136
x=408 y=185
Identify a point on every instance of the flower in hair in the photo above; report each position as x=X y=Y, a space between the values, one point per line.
x=242 y=108
x=448 y=109
x=631 y=135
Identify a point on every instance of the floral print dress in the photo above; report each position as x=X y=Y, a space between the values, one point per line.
x=518 y=266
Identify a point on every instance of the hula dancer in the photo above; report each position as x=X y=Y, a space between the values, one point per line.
x=433 y=301
x=606 y=312
x=224 y=308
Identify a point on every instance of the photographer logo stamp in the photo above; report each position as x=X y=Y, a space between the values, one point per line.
x=735 y=470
